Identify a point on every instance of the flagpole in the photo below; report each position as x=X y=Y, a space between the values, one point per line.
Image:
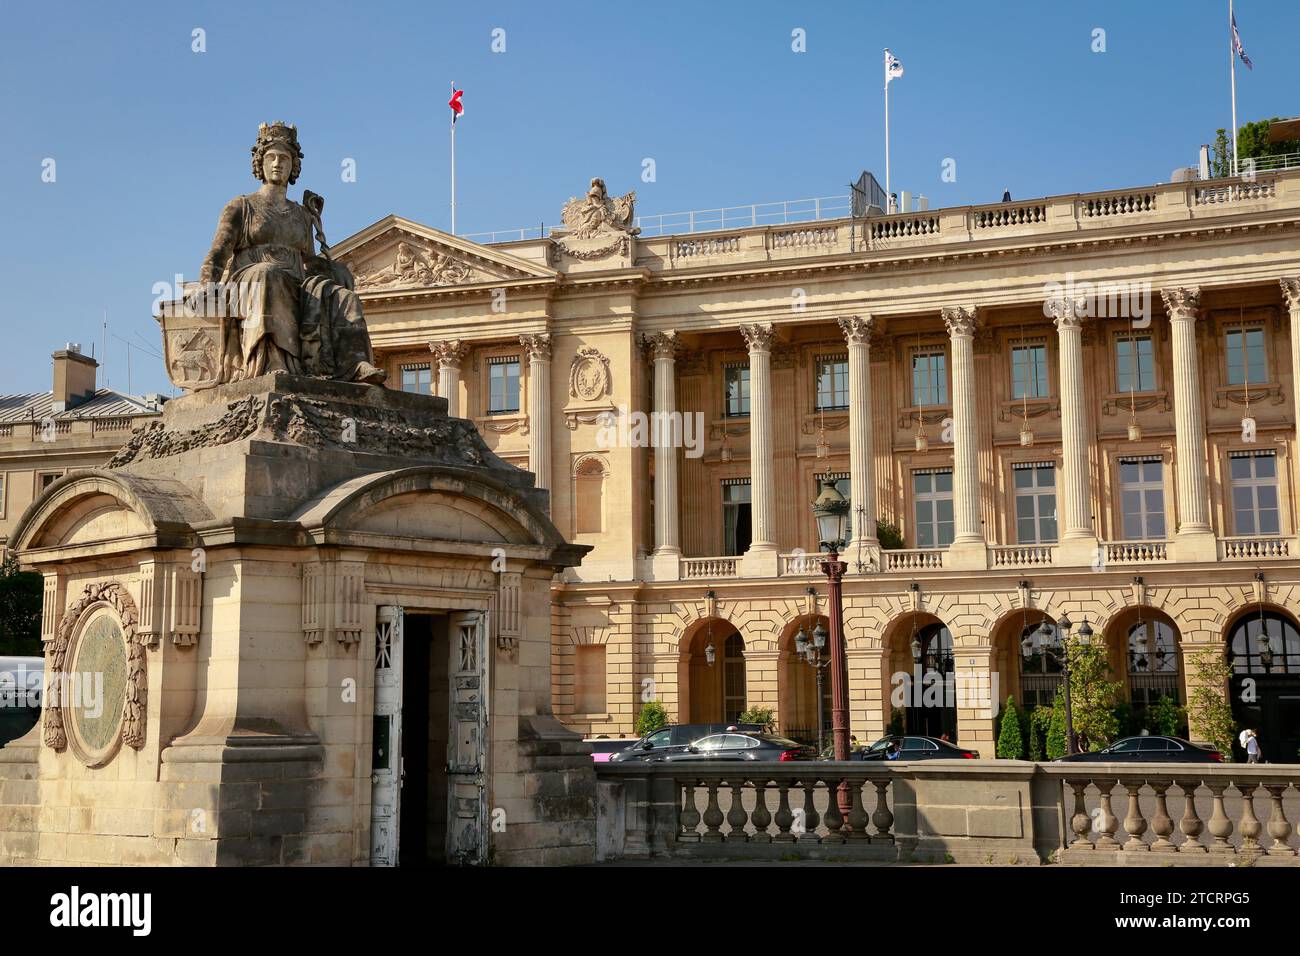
x=887 y=193
x=1232 y=68
x=453 y=165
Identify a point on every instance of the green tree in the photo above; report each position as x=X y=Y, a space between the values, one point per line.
x=1092 y=695
x=1011 y=745
x=890 y=538
x=1252 y=141
x=758 y=715
x=1209 y=713
x=1040 y=724
x=21 y=593
x=1165 y=716
x=1057 y=741
x=653 y=715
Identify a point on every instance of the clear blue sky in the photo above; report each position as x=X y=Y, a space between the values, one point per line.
x=150 y=138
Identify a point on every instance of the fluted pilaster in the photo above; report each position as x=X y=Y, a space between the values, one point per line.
x=1076 y=485
x=538 y=347
x=862 y=484
x=663 y=351
x=1183 y=307
x=758 y=337
x=449 y=356
x=961 y=322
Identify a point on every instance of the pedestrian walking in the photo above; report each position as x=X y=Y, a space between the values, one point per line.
x=1252 y=748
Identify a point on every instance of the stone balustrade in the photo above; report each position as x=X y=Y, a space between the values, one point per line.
x=693 y=568
x=1022 y=555
x=913 y=559
x=1254 y=547
x=977 y=811
x=1136 y=552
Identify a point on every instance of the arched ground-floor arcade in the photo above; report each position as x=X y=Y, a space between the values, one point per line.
x=935 y=654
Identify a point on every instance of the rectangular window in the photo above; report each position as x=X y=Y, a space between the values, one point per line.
x=736 y=399
x=736 y=514
x=1142 y=498
x=1135 y=364
x=832 y=382
x=1245 y=353
x=46 y=478
x=1035 y=485
x=503 y=383
x=1029 y=371
x=932 y=493
x=1254 y=492
x=589 y=679
x=418 y=379
x=929 y=378
x=844 y=487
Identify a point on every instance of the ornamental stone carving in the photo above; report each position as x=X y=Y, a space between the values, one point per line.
x=858 y=330
x=960 y=320
x=108 y=652
x=450 y=354
x=1181 y=303
x=538 y=346
x=597 y=225
x=1291 y=293
x=589 y=377
x=418 y=265
x=660 y=345
x=758 y=336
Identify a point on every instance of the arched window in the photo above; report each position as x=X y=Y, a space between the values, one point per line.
x=589 y=497
x=1265 y=643
x=1040 y=664
x=1152 y=663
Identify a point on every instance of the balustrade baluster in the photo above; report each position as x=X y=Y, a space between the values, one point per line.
x=761 y=817
x=1190 y=825
x=1162 y=825
x=689 y=817
x=713 y=815
x=811 y=818
x=1109 y=823
x=1279 y=828
x=1080 y=822
x=783 y=815
x=882 y=817
x=1220 y=825
x=834 y=819
x=1134 y=823
x=1250 y=827
x=736 y=815
x=858 y=818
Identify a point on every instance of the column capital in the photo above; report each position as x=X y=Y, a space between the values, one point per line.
x=661 y=345
x=1182 y=302
x=538 y=346
x=759 y=336
x=1064 y=313
x=857 y=329
x=1291 y=293
x=960 y=319
x=449 y=353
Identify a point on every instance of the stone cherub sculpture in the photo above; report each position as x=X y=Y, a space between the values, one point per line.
x=297 y=310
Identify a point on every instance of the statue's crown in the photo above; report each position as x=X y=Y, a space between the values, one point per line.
x=277 y=132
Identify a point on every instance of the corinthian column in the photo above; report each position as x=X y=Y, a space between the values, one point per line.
x=1076 y=484
x=761 y=558
x=1195 y=541
x=667 y=553
x=968 y=547
x=1291 y=293
x=538 y=347
x=449 y=355
x=862 y=483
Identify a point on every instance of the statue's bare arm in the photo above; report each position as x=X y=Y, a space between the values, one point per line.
x=223 y=243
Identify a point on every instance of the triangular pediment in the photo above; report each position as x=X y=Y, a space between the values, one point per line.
x=396 y=254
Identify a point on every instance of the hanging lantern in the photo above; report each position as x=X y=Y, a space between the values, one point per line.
x=1134 y=430
x=823 y=446
x=1026 y=434
x=922 y=443
x=725 y=454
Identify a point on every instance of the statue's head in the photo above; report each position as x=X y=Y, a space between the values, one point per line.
x=280 y=143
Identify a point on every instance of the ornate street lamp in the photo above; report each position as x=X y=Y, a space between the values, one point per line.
x=831 y=509
x=1061 y=654
x=811 y=652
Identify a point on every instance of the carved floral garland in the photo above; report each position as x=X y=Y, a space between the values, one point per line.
x=133 y=713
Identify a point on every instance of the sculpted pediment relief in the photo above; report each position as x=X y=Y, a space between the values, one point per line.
x=396 y=255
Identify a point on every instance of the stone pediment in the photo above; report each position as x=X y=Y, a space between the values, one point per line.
x=396 y=254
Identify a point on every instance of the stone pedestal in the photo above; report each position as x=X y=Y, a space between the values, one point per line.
x=235 y=556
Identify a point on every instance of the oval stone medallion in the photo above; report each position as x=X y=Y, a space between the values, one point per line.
x=96 y=691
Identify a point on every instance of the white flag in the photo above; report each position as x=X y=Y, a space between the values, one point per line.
x=893 y=67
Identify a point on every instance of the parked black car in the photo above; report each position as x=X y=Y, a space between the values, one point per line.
x=1148 y=749
x=916 y=748
x=743 y=746
x=657 y=745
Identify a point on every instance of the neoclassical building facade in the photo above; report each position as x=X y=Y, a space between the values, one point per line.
x=1078 y=406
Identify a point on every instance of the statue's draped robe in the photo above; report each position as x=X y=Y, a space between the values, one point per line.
x=297 y=310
